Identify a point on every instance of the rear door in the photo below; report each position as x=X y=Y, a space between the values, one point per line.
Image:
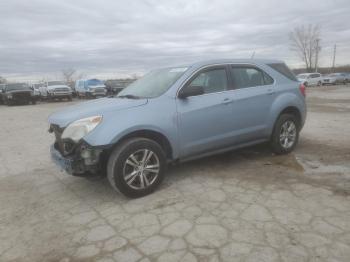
x=253 y=96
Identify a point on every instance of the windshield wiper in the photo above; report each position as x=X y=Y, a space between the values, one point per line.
x=129 y=96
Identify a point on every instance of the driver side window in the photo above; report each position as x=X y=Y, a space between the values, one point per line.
x=212 y=81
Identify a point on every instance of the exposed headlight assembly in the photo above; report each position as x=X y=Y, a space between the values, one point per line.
x=80 y=128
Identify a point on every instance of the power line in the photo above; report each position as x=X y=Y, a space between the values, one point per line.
x=317 y=51
x=334 y=53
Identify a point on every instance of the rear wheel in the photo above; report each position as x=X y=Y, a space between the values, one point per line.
x=285 y=135
x=136 y=167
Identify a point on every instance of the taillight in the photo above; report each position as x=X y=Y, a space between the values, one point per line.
x=302 y=89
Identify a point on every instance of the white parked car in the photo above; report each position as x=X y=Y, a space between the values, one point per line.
x=90 y=88
x=310 y=79
x=333 y=79
x=55 y=90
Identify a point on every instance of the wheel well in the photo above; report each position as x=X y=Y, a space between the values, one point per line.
x=152 y=135
x=294 y=111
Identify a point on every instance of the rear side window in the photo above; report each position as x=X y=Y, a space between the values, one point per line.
x=245 y=76
x=284 y=70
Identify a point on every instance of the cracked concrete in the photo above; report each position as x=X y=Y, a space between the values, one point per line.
x=247 y=205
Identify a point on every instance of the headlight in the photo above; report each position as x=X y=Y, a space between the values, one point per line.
x=80 y=128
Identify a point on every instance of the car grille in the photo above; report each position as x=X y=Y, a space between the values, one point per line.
x=21 y=96
x=326 y=80
x=64 y=146
x=99 y=90
x=61 y=89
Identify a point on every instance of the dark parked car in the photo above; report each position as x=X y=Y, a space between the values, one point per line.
x=2 y=86
x=17 y=93
x=114 y=86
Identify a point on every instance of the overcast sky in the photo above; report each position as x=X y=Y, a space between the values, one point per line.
x=109 y=38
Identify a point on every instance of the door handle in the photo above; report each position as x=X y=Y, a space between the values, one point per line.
x=227 y=101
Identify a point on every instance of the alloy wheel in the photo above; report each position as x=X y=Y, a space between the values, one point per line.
x=141 y=169
x=288 y=134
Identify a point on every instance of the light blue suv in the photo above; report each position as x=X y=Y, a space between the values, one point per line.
x=176 y=114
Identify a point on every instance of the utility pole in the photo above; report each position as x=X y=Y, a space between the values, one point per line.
x=334 y=52
x=317 y=50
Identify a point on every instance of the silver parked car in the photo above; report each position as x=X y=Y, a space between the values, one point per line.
x=310 y=79
x=176 y=114
x=333 y=79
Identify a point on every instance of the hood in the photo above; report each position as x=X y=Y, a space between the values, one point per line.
x=93 y=108
x=19 y=91
x=58 y=86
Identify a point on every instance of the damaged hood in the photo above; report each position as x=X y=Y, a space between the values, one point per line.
x=92 y=108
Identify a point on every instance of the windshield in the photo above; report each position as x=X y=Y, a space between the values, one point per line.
x=154 y=83
x=55 y=83
x=302 y=76
x=37 y=85
x=94 y=82
x=11 y=87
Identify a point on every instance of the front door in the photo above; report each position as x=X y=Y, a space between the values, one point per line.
x=204 y=120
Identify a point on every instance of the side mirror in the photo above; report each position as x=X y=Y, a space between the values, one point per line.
x=191 y=91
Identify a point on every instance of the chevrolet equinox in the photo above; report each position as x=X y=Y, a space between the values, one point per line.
x=177 y=114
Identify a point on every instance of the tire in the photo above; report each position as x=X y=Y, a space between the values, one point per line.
x=319 y=83
x=33 y=102
x=69 y=98
x=118 y=168
x=306 y=84
x=280 y=147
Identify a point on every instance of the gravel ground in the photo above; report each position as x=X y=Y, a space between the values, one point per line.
x=247 y=205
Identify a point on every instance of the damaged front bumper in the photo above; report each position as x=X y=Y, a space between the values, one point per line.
x=85 y=161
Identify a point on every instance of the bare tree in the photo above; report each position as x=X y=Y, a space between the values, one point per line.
x=305 y=42
x=2 y=80
x=68 y=74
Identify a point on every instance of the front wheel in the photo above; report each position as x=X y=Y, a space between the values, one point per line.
x=136 y=167
x=285 y=135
